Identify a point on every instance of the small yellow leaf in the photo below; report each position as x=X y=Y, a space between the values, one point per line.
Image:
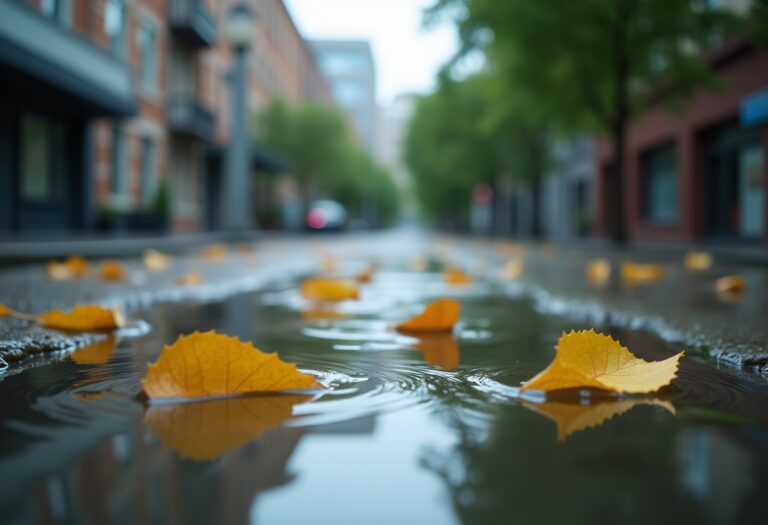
x=730 y=284
x=318 y=289
x=112 y=271
x=96 y=353
x=454 y=276
x=4 y=310
x=575 y=416
x=512 y=270
x=191 y=278
x=156 y=261
x=598 y=271
x=698 y=261
x=73 y=267
x=210 y=364
x=83 y=318
x=438 y=316
x=205 y=430
x=214 y=252
x=439 y=349
x=366 y=275
x=586 y=359
x=633 y=273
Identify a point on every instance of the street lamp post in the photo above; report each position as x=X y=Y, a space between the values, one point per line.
x=238 y=212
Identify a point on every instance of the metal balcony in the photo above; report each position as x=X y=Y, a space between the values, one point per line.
x=186 y=116
x=190 y=21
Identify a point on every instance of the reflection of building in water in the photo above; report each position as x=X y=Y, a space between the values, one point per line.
x=715 y=471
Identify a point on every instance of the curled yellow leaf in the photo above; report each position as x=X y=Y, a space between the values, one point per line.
x=634 y=273
x=156 y=261
x=730 y=284
x=205 y=430
x=598 y=271
x=586 y=359
x=73 y=267
x=318 y=289
x=210 y=364
x=698 y=261
x=112 y=271
x=454 y=276
x=83 y=318
x=438 y=316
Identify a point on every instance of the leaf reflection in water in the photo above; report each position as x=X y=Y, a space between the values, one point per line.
x=205 y=430
x=97 y=353
x=440 y=349
x=574 y=416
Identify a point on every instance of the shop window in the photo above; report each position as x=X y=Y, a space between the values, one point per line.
x=58 y=10
x=659 y=186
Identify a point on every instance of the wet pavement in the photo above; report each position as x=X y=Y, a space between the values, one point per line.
x=408 y=430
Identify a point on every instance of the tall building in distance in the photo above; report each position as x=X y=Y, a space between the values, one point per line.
x=349 y=67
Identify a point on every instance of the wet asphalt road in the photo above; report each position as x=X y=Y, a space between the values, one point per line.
x=682 y=307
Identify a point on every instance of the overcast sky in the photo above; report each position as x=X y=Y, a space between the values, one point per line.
x=407 y=57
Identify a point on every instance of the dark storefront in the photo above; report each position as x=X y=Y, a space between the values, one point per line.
x=54 y=82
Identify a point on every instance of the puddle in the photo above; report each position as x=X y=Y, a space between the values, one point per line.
x=411 y=429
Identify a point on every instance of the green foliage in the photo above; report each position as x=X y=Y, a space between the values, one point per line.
x=321 y=154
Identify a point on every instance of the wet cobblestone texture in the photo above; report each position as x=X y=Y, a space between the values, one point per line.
x=682 y=307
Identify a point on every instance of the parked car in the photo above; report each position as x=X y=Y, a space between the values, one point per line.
x=326 y=215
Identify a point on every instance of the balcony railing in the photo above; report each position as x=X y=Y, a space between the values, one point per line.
x=190 y=20
x=186 y=116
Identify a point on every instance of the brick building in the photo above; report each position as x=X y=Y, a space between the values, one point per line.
x=700 y=175
x=105 y=104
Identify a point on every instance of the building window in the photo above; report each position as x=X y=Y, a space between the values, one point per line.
x=147 y=37
x=147 y=170
x=58 y=10
x=117 y=181
x=659 y=183
x=114 y=26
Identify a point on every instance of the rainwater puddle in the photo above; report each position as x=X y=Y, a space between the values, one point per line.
x=410 y=430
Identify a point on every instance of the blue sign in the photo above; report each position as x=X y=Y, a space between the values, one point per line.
x=754 y=108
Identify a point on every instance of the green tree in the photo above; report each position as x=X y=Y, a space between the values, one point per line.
x=592 y=63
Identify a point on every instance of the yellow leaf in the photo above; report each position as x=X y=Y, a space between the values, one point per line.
x=319 y=289
x=214 y=252
x=4 y=310
x=698 y=261
x=598 y=271
x=633 y=273
x=210 y=364
x=575 y=416
x=96 y=353
x=586 y=359
x=112 y=271
x=83 y=318
x=730 y=284
x=439 y=349
x=438 y=316
x=454 y=276
x=512 y=270
x=366 y=275
x=191 y=278
x=72 y=268
x=205 y=430
x=156 y=261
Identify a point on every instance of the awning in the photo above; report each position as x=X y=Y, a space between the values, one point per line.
x=262 y=159
x=37 y=54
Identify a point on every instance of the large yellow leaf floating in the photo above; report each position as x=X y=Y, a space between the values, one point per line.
x=72 y=268
x=634 y=273
x=83 y=318
x=112 y=271
x=576 y=416
x=698 y=261
x=586 y=359
x=210 y=364
x=318 y=289
x=438 y=316
x=206 y=430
